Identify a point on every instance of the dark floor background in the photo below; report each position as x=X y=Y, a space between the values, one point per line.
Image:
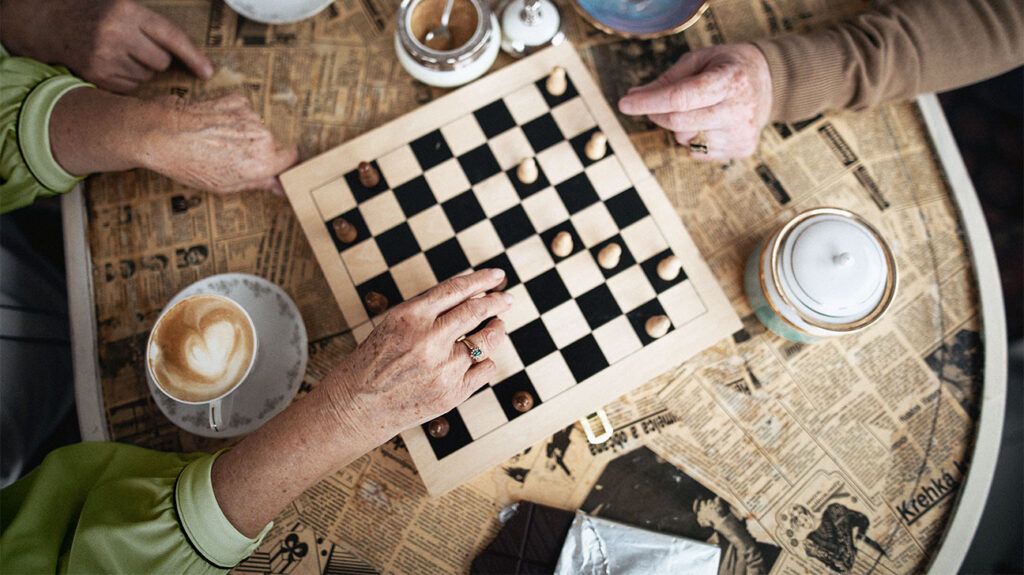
x=988 y=122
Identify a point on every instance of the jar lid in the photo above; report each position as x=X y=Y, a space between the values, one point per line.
x=835 y=268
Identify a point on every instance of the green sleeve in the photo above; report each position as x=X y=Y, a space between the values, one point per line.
x=28 y=92
x=116 y=508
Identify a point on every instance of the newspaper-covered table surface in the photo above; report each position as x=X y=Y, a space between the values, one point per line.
x=845 y=455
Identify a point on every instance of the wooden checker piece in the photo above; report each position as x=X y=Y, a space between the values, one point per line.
x=440 y=192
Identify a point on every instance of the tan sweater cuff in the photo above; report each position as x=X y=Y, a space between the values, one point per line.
x=807 y=75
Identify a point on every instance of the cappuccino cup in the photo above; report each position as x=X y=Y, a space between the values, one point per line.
x=201 y=349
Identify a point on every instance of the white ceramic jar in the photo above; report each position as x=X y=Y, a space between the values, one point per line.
x=476 y=39
x=825 y=273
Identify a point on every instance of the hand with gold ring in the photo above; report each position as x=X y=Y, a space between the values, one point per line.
x=424 y=358
x=715 y=100
x=475 y=353
x=697 y=144
x=415 y=365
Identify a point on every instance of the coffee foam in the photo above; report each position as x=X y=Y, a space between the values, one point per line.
x=201 y=348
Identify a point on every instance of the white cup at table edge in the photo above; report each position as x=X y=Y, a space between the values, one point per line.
x=215 y=412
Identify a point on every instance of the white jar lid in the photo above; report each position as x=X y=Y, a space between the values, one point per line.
x=530 y=34
x=834 y=268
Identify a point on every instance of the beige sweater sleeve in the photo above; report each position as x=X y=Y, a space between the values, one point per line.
x=894 y=53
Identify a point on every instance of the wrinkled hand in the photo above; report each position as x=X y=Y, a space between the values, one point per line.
x=116 y=44
x=217 y=145
x=722 y=94
x=412 y=368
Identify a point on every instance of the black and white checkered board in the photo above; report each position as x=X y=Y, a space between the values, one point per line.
x=449 y=202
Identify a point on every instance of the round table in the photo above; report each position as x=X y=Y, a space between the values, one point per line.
x=320 y=82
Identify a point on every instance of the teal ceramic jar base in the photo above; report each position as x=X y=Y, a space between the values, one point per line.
x=764 y=312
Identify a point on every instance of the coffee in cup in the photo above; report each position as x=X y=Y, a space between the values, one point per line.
x=200 y=349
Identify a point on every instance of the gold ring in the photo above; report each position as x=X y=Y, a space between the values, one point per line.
x=698 y=145
x=475 y=353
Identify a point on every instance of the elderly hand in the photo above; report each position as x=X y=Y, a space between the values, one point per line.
x=216 y=145
x=116 y=44
x=219 y=145
x=720 y=96
x=412 y=368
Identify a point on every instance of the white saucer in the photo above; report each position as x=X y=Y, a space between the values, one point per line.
x=280 y=361
x=278 y=11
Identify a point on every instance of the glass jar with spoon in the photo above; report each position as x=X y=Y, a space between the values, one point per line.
x=446 y=43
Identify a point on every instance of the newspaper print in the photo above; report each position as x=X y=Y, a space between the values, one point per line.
x=844 y=456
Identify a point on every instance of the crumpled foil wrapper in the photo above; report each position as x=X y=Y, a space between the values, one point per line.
x=596 y=546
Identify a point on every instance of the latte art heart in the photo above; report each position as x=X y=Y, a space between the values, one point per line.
x=201 y=348
x=208 y=353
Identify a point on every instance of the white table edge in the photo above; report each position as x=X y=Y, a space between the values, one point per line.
x=974 y=491
x=82 y=313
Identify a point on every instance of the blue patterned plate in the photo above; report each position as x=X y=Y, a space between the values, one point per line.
x=280 y=360
x=641 y=18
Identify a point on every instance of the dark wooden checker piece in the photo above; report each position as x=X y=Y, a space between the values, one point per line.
x=344 y=231
x=456 y=437
x=376 y=302
x=360 y=190
x=517 y=386
x=369 y=177
x=438 y=428
x=522 y=401
x=384 y=286
x=338 y=227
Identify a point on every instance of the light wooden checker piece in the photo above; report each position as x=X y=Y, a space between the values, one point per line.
x=449 y=201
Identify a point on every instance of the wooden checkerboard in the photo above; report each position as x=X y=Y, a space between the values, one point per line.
x=449 y=201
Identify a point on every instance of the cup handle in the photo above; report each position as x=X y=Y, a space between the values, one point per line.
x=216 y=415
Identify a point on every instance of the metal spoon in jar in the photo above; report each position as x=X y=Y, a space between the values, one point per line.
x=440 y=37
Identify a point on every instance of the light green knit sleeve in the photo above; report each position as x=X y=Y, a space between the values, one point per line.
x=28 y=92
x=115 y=508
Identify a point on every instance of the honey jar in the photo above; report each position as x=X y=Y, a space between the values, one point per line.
x=471 y=51
x=825 y=273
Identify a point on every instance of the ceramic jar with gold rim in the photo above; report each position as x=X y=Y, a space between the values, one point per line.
x=825 y=273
